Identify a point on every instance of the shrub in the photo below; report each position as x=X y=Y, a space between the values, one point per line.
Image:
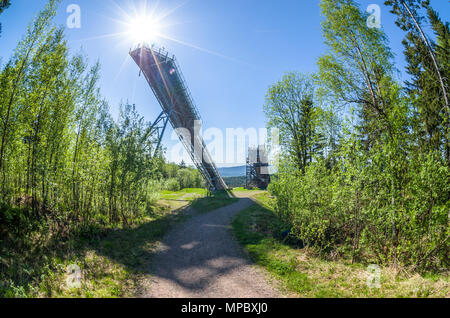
x=172 y=184
x=377 y=206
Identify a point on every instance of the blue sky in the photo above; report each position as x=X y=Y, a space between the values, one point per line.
x=236 y=49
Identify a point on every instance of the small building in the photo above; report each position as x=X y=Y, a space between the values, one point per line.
x=257 y=172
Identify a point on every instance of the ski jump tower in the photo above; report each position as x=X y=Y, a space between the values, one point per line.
x=167 y=83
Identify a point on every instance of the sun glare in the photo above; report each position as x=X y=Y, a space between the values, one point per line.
x=144 y=30
x=147 y=24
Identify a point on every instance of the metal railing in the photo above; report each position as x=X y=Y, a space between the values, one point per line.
x=206 y=167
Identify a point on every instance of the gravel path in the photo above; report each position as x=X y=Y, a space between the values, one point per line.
x=201 y=259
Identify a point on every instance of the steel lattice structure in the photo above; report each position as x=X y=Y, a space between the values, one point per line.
x=167 y=83
x=257 y=171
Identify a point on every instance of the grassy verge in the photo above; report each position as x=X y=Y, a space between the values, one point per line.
x=113 y=260
x=199 y=198
x=242 y=189
x=185 y=194
x=307 y=275
x=215 y=201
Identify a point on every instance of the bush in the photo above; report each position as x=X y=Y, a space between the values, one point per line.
x=153 y=189
x=382 y=207
x=172 y=184
x=189 y=178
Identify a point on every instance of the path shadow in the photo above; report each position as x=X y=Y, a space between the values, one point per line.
x=200 y=251
x=191 y=255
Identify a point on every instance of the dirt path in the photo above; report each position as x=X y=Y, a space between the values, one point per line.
x=201 y=259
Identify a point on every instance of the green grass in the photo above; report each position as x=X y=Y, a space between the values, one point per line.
x=113 y=260
x=215 y=201
x=199 y=198
x=305 y=274
x=188 y=194
x=121 y=259
x=242 y=189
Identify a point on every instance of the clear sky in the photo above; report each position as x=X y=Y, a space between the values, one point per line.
x=230 y=51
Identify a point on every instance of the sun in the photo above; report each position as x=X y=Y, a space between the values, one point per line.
x=146 y=24
x=144 y=29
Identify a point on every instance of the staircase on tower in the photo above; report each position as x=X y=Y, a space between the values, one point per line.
x=167 y=83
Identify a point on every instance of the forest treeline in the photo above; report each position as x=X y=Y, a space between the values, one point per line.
x=365 y=157
x=62 y=155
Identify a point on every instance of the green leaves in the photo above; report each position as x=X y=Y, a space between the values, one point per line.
x=382 y=195
x=60 y=148
x=4 y=4
x=291 y=106
x=428 y=67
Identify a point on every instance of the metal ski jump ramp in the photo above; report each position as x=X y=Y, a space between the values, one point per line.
x=167 y=83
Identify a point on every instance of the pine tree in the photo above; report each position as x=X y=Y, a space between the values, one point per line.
x=428 y=67
x=4 y=4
